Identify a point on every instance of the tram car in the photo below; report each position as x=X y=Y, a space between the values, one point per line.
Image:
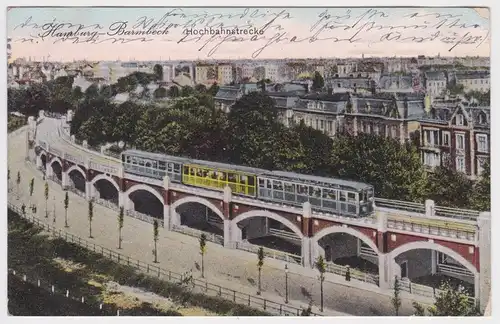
x=349 y=198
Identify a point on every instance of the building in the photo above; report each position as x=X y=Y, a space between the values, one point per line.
x=271 y=72
x=435 y=83
x=456 y=135
x=473 y=80
x=225 y=74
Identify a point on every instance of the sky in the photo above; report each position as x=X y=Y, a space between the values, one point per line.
x=115 y=33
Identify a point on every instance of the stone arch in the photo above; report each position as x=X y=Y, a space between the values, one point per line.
x=77 y=168
x=145 y=188
x=268 y=214
x=198 y=200
x=113 y=182
x=348 y=230
x=426 y=245
x=54 y=159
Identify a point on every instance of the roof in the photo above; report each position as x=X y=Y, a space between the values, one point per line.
x=316 y=179
x=435 y=75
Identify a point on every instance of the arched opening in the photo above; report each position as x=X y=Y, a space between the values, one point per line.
x=56 y=170
x=348 y=250
x=107 y=190
x=278 y=236
x=430 y=267
x=77 y=180
x=201 y=217
x=145 y=202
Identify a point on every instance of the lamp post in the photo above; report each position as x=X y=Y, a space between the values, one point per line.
x=286 y=283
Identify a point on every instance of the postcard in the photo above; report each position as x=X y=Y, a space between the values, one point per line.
x=249 y=161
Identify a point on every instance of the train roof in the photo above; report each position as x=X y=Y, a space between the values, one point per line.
x=276 y=174
x=334 y=181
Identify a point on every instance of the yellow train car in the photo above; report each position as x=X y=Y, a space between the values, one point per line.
x=241 y=183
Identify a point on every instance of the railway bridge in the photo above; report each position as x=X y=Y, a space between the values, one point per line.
x=403 y=239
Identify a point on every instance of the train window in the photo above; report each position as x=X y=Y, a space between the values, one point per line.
x=243 y=179
x=289 y=187
x=342 y=196
x=269 y=184
x=231 y=177
x=204 y=173
x=162 y=166
x=351 y=197
x=170 y=167
x=302 y=190
x=369 y=194
x=155 y=165
x=213 y=174
x=147 y=164
x=141 y=162
x=330 y=194
x=262 y=183
x=123 y=158
x=198 y=172
x=177 y=168
x=317 y=192
x=223 y=176
x=192 y=171
x=186 y=170
x=128 y=159
x=277 y=185
x=250 y=181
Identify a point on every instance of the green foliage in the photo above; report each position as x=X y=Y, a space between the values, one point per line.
x=32 y=186
x=260 y=257
x=481 y=198
x=18 y=179
x=396 y=299
x=320 y=265
x=318 y=81
x=66 y=200
x=46 y=191
x=15 y=122
x=455 y=89
x=155 y=230
x=90 y=216
x=158 y=72
x=203 y=243
x=121 y=217
x=449 y=302
x=173 y=92
x=448 y=187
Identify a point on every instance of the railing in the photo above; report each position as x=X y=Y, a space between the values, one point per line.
x=456 y=270
x=448 y=230
x=456 y=213
x=218 y=239
x=106 y=203
x=76 y=191
x=284 y=234
x=143 y=217
x=167 y=275
x=366 y=250
x=355 y=274
x=427 y=291
x=269 y=253
x=54 y=178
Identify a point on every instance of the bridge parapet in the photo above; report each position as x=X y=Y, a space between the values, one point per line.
x=75 y=159
x=104 y=168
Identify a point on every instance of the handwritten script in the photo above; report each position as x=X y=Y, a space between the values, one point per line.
x=277 y=27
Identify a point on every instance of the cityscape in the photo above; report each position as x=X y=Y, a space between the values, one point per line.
x=252 y=180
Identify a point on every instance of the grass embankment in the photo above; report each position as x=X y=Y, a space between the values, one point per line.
x=100 y=280
x=15 y=122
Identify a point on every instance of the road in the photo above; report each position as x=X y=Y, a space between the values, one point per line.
x=233 y=269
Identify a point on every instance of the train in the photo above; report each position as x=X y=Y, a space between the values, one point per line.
x=329 y=195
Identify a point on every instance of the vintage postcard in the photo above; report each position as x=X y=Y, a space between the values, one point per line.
x=248 y=161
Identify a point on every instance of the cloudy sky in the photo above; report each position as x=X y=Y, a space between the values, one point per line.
x=117 y=33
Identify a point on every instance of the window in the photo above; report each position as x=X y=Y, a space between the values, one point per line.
x=446 y=139
x=460 y=141
x=482 y=142
x=394 y=131
x=459 y=120
x=376 y=129
x=322 y=124
x=460 y=163
x=431 y=159
x=330 y=126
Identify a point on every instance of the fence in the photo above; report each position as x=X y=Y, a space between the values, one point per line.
x=100 y=307
x=268 y=253
x=355 y=274
x=197 y=233
x=167 y=275
x=417 y=289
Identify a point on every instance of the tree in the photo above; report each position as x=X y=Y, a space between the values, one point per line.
x=18 y=181
x=449 y=302
x=448 y=187
x=214 y=88
x=120 y=226
x=46 y=195
x=203 y=250
x=155 y=239
x=200 y=88
x=481 y=197
x=66 y=205
x=321 y=266
x=32 y=186
x=158 y=72
x=260 y=263
x=23 y=209
x=318 y=81
x=307 y=311
x=396 y=299
x=187 y=91
x=8 y=175
x=90 y=216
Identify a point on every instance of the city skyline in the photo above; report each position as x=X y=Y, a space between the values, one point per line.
x=349 y=32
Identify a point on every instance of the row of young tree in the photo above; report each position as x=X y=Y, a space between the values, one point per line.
x=251 y=134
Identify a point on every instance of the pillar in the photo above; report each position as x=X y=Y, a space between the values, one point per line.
x=64 y=179
x=166 y=203
x=121 y=199
x=433 y=262
x=384 y=271
x=88 y=190
x=429 y=208
x=307 y=260
x=174 y=218
x=382 y=232
x=227 y=202
x=228 y=233
x=484 y=269
x=39 y=163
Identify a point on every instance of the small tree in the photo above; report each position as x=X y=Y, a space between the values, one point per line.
x=155 y=239
x=18 y=181
x=307 y=311
x=260 y=263
x=46 y=195
x=396 y=299
x=32 y=186
x=321 y=266
x=66 y=205
x=23 y=210
x=91 y=216
x=8 y=175
x=203 y=250
x=120 y=226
